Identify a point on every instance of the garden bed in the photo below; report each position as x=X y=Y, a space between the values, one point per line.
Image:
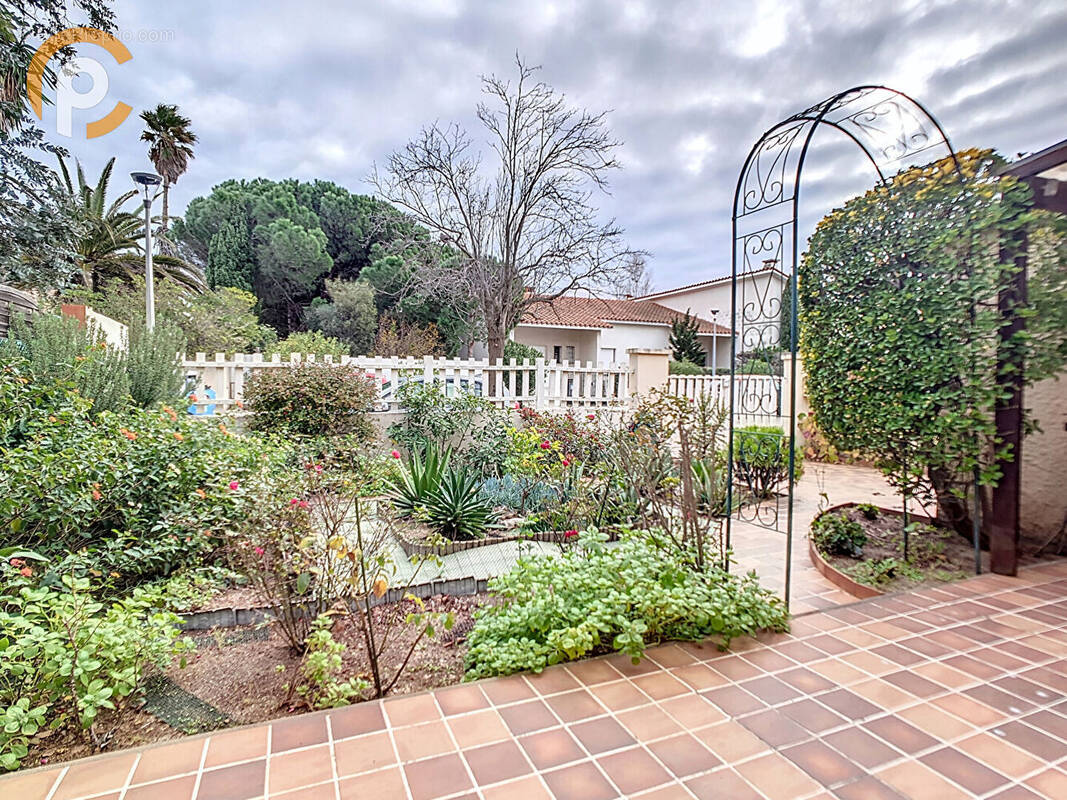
x=936 y=554
x=228 y=663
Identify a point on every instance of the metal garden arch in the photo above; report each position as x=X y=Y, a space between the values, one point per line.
x=894 y=132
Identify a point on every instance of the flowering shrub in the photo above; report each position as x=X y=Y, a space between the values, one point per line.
x=594 y=598
x=529 y=454
x=583 y=437
x=131 y=496
x=65 y=657
x=312 y=400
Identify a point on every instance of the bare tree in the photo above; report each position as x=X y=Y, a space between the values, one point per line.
x=637 y=283
x=524 y=231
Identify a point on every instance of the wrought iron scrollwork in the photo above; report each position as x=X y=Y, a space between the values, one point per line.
x=893 y=131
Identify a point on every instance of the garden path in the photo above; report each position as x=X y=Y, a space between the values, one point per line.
x=952 y=692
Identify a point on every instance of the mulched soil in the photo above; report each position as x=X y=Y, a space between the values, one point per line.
x=938 y=554
x=241 y=678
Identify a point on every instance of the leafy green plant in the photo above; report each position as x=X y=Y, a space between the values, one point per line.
x=868 y=510
x=761 y=459
x=412 y=488
x=594 y=598
x=322 y=669
x=66 y=657
x=837 y=535
x=684 y=368
x=883 y=571
x=456 y=509
x=312 y=400
x=153 y=365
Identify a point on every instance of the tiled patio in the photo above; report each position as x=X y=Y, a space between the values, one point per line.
x=946 y=693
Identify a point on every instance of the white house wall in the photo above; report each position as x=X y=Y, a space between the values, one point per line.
x=546 y=339
x=621 y=337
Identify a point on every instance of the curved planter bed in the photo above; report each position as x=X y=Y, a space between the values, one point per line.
x=834 y=575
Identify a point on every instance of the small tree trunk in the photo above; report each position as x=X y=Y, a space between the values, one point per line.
x=494 y=340
x=166 y=204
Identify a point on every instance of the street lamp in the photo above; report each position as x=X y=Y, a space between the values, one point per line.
x=148 y=180
x=714 y=341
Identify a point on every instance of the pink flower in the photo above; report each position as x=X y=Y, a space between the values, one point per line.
x=293 y=502
x=26 y=572
x=260 y=551
x=304 y=504
x=590 y=416
x=517 y=406
x=570 y=534
x=396 y=454
x=566 y=462
x=546 y=446
x=234 y=485
x=318 y=468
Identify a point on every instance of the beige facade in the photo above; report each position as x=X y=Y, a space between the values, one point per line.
x=1044 y=500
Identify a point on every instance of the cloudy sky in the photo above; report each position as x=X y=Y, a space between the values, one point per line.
x=318 y=89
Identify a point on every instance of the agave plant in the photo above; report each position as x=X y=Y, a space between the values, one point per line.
x=457 y=509
x=415 y=484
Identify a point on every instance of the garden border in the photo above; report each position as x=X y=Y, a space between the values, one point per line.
x=240 y=617
x=835 y=576
x=551 y=537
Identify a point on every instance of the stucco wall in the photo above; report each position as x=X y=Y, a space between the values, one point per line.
x=1044 y=501
x=584 y=342
x=624 y=337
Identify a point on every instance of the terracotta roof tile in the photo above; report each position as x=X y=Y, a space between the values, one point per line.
x=594 y=312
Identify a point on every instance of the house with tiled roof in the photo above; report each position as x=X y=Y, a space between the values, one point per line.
x=602 y=330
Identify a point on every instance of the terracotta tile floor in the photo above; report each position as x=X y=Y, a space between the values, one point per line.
x=952 y=692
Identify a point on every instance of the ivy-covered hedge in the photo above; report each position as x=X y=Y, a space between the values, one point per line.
x=899 y=323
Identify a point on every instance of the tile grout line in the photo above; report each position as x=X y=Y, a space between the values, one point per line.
x=200 y=767
x=389 y=731
x=333 y=758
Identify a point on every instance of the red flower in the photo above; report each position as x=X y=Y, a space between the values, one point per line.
x=234 y=485
x=546 y=446
x=17 y=562
x=26 y=572
x=396 y=454
x=590 y=416
x=293 y=502
x=570 y=534
x=566 y=463
x=260 y=551
x=304 y=504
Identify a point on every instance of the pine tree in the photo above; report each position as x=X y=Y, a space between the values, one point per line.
x=684 y=341
x=229 y=258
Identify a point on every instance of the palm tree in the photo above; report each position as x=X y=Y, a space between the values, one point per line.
x=170 y=147
x=113 y=242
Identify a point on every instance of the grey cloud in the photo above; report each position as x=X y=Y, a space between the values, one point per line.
x=324 y=89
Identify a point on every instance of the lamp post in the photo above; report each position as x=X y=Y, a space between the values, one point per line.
x=714 y=341
x=147 y=181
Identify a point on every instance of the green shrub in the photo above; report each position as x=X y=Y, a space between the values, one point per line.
x=837 y=535
x=309 y=343
x=685 y=368
x=312 y=400
x=593 y=598
x=457 y=510
x=56 y=348
x=761 y=459
x=322 y=669
x=139 y=494
x=469 y=425
x=411 y=489
x=153 y=364
x=583 y=437
x=868 y=510
x=65 y=656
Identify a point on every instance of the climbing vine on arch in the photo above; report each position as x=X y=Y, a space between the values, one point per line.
x=899 y=322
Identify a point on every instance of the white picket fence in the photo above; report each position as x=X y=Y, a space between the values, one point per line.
x=754 y=395
x=537 y=384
